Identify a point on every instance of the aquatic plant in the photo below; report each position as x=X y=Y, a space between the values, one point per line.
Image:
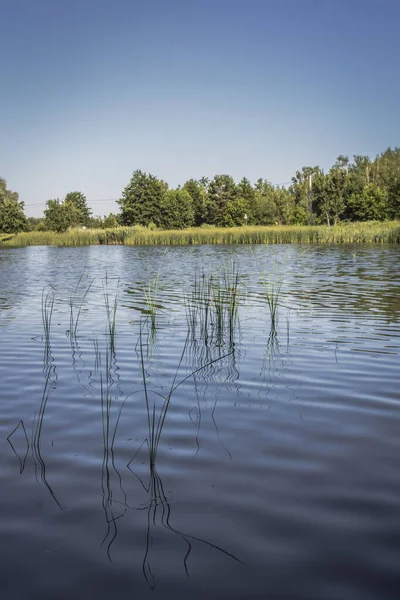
x=150 y=291
x=272 y=287
x=47 y=311
x=77 y=305
x=111 y=312
x=212 y=305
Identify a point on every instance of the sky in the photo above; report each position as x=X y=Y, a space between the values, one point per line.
x=91 y=90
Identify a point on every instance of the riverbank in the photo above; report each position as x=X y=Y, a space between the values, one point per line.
x=385 y=232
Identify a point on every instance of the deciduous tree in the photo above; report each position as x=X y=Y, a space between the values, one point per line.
x=12 y=217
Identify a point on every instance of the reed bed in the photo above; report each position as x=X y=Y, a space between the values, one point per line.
x=212 y=305
x=371 y=232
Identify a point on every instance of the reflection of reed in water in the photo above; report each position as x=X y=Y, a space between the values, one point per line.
x=50 y=383
x=109 y=503
x=76 y=303
x=158 y=507
x=221 y=373
x=159 y=513
x=23 y=455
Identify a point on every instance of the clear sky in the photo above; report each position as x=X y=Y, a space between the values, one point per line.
x=91 y=90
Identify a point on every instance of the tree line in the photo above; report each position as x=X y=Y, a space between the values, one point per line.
x=351 y=190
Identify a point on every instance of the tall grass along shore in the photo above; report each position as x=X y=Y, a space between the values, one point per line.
x=371 y=232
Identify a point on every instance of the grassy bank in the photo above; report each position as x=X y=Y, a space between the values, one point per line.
x=366 y=233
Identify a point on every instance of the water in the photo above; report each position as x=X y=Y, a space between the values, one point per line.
x=277 y=472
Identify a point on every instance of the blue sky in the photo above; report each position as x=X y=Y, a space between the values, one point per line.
x=93 y=89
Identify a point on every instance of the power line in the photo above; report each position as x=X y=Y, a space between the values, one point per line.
x=116 y=199
x=88 y=201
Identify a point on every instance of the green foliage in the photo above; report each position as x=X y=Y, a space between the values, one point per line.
x=110 y=221
x=272 y=205
x=370 y=204
x=222 y=190
x=141 y=199
x=35 y=224
x=79 y=200
x=12 y=217
x=300 y=190
x=351 y=190
x=198 y=194
x=59 y=216
x=176 y=210
x=234 y=213
x=246 y=191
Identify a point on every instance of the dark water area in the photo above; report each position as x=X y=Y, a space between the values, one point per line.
x=151 y=460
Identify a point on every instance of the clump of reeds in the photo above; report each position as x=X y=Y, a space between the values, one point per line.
x=212 y=305
x=272 y=287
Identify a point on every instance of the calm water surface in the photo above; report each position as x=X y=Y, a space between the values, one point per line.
x=277 y=473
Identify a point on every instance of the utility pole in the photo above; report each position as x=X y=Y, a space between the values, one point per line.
x=310 y=197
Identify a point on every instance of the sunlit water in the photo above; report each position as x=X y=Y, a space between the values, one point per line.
x=277 y=473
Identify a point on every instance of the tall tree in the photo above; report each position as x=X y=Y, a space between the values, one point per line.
x=12 y=217
x=371 y=204
x=198 y=194
x=176 y=210
x=79 y=200
x=59 y=216
x=272 y=204
x=221 y=190
x=141 y=199
x=300 y=190
x=387 y=168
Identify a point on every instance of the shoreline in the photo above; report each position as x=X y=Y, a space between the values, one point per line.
x=367 y=232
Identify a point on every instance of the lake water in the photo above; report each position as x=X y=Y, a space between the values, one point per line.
x=276 y=472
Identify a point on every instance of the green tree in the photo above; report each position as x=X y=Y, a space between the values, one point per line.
x=299 y=190
x=141 y=199
x=387 y=177
x=221 y=190
x=12 y=217
x=176 y=210
x=59 y=216
x=198 y=193
x=246 y=191
x=79 y=200
x=110 y=222
x=371 y=204
x=234 y=213
x=334 y=193
x=272 y=204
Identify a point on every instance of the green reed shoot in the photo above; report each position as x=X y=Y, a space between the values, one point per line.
x=111 y=312
x=47 y=310
x=74 y=318
x=272 y=289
